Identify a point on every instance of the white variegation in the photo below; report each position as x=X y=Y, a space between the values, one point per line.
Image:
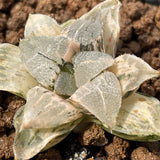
x=87 y=65
x=139 y=118
x=44 y=121
x=98 y=29
x=132 y=71
x=44 y=104
x=100 y=97
x=14 y=77
x=41 y=25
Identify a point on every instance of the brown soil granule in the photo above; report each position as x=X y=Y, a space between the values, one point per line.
x=118 y=149
x=152 y=87
x=157 y=18
x=144 y=24
x=153 y=147
x=6 y=4
x=9 y=106
x=8 y=109
x=93 y=135
x=142 y=153
x=6 y=145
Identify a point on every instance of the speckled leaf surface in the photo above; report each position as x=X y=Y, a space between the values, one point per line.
x=41 y=25
x=98 y=29
x=87 y=65
x=100 y=97
x=42 y=55
x=131 y=71
x=14 y=77
x=139 y=118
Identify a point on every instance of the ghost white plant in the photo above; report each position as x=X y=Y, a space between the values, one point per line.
x=68 y=74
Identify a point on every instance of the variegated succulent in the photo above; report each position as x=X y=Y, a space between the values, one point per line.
x=68 y=74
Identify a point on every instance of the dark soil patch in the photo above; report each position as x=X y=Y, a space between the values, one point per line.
x=140 y=35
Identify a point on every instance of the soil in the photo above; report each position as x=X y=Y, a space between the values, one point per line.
x=140 y=35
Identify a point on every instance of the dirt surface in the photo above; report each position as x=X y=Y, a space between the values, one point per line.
x=140 y=35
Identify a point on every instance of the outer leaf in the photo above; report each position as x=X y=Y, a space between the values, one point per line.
x=14 y=77
x=139 y=118
x=65 y=83
x=100 y=97
x=98 y=29
x=30 y=142
x=45 y=120
x=131 y=72
x=88 y=65
x=43 y=107
x=41 y=25
x=42 y=55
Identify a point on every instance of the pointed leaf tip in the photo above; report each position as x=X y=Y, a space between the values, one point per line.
x=98 y=29
x=87 y=65
x=41 y=25
x=100 y=97
x=132 y=71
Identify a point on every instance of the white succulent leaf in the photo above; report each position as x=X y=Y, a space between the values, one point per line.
x=132 y=72
x=100 y=97
x=65 y=83
x=98 y=29
x=44 y=106
x=14 y=77
x=88 y=65
x=30 y=142
x=42 y=57
x=139 y=118
x=44 y=121
x=41 y=25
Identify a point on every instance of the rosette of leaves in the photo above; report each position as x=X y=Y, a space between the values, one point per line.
x=67 y=74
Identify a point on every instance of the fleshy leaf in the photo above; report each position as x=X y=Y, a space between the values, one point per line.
x=131 y=72
x=30 y=142
x=139 y=118
x=89 y=64
x=98 y=29
x=41 y=25
x=45 y=106
x=14 y=77
x=65 y=84
x=45 y=120
x=100 y=97
x=43 y=55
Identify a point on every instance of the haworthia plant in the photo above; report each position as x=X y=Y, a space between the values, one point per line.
x=69 y=75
